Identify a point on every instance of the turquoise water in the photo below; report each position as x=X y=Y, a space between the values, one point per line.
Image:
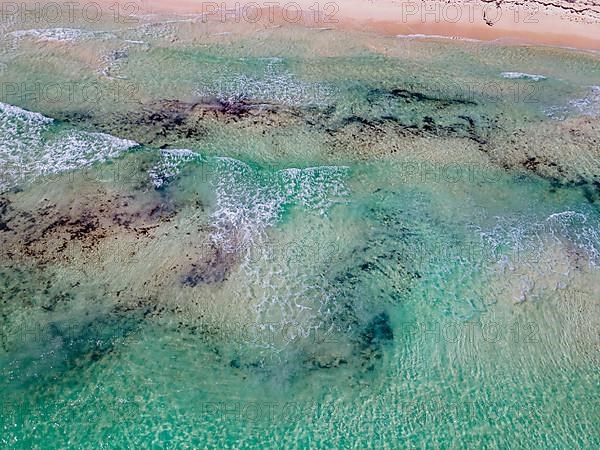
x=298 y=239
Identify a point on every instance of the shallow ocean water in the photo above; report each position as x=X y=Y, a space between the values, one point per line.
x=296 y=238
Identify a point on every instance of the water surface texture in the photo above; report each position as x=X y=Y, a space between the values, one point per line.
x=296 y=238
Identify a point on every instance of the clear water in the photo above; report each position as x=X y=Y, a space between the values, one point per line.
x=394 y=246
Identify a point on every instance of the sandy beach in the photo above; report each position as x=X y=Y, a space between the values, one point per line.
x=561 y=23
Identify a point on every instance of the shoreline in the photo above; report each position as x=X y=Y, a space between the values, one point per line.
x=514 y=22
x=561 y=24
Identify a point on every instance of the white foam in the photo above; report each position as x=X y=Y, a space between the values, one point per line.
x=9 y=112
x=29 y=149
x=277 y=85
x=525 y=258
x=170 y=165
x=249 y=201
x=58 y=34
x=522 y=76
x=75 y=149
x=588 y=105
x=154 y=30
x=288 y=299
x=521 y=242
x=437 y=36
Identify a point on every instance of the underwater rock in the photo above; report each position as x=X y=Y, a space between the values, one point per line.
x=378 y=331
x=385 y=119
x=164 y=122
x=409 y=96
x=566 y=153
x=53 y=349
x=45 y=233
x=363 y=349
x=4 y=205
x=420 y=114
x=327 y=361
x=385 y=114
x=212 y=268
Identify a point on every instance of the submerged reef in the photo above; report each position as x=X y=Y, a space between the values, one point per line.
x=167 y=122
x=380 y=122
x=148 y=253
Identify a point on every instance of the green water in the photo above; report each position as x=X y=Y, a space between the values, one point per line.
x=394 y=246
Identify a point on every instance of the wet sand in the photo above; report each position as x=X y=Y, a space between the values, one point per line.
x=560 y=23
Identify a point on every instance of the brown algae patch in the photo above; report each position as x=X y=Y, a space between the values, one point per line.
x=137 y=250
x=86 y=227
x=169 y=122
x=55 y=227
x=566 y=151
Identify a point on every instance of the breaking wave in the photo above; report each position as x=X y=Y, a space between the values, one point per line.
x=289 y=297
x=588 y=105
x=59 y=34
x=31 y=147
x=251 y=200
x=522 y=76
